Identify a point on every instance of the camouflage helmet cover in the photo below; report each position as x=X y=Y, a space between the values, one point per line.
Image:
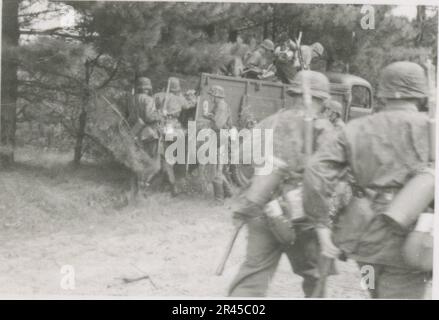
x=174 y=84
x=268 y=45
x=217 y=91
x=403 y=79
x=144 y=82
x=334 y=106
x=318 y=84
x=317 y=48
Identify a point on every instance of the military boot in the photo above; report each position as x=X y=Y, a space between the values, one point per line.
x=228 y=193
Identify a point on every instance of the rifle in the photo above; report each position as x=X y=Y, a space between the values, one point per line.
x=309 y=117
x=299 y=51
x=431 y=108
x=325 y=263
x=195 y=119
x=222 y=264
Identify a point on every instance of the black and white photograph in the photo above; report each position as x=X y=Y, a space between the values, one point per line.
x=218 y=150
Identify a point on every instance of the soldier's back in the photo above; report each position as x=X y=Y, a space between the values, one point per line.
x=288 y=135
x=384 y=148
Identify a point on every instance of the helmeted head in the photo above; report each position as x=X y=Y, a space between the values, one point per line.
x=403 y=80
x=317 y=49
x=143 y=84
x=333 y=110
x=268 y=45
x=334 y=106
x=216 y=92
x=317 y=83
x=174 y=85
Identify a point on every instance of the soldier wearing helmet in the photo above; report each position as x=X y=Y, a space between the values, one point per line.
x=284 y=59
x=381 y=153
x=170 y=104
x=143 y=116
x=308 y=54
x=333 y=111
x=220 y=118
x=260 y=61
x=295 y=236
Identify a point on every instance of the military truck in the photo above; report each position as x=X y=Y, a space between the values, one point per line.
x=253 y=100
x=259 y=99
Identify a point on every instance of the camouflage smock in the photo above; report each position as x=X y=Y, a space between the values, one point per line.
x=288 y=136
x=381 y=152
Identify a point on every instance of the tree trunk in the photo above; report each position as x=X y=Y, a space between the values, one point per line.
x=82 y=121
x=274 y=26
x=265 y=31
x=420 y=21
x=10 y=35
x=80 y=137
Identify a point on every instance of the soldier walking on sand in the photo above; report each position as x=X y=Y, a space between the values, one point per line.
x=383 y=153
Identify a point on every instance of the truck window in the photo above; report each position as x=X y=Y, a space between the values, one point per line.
x=339 y=98
x=360 y=97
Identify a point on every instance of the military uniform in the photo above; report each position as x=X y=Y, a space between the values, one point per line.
x=220 y=118
x=263 y=247
x=144 y=110
x=380 y=152
x=308 y=54
x=284 y=62
x=260 y=59
x=170 y=108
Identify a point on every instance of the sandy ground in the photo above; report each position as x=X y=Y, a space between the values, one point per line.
x=52 y=215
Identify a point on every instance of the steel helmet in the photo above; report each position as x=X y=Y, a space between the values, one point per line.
x=317 y=48
x=144 y=83
x=174 y=84
x=334 y=106
x=318 y=84
x=401 y=80
x=268 y=45
x=217 y=91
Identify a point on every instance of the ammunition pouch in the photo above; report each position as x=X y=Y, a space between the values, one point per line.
x=279 y=223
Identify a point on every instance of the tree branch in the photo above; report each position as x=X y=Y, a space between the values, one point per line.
x=54 y=32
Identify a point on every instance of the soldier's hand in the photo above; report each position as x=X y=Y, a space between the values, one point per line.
x=209 y=115
x=327 y=247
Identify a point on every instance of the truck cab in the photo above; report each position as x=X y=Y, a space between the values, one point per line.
x=257 y=99
x=353 y=93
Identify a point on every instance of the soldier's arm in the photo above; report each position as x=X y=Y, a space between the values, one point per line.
x=321 y=177
x=151 y=113
x=186 y=104
x=221 y=116
x=254 y=60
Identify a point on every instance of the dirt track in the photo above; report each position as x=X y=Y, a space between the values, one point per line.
x=52 y=215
